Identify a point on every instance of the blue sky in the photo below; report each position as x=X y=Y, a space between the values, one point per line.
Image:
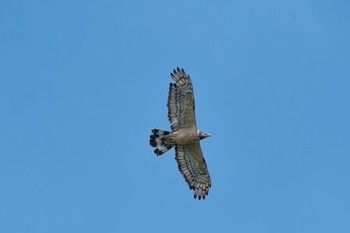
x=82 y=83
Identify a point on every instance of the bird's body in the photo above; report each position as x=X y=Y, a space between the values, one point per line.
x=185 y=135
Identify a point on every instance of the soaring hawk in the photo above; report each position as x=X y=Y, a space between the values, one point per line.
x=185 y=135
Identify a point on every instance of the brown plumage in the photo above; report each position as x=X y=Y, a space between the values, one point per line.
x=185 y=135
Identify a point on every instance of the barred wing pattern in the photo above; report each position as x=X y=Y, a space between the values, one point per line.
x=181 y=106
x=193 y=167
x=181 y=114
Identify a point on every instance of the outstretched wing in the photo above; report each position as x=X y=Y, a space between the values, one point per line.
x=193 y=168
x=181 y=113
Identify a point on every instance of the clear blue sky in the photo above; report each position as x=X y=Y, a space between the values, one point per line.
x=82 y=83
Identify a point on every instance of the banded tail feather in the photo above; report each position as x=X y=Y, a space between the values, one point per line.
x=158 y=139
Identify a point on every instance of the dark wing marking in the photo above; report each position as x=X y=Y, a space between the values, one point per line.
x=181 y=106
x=193 y=168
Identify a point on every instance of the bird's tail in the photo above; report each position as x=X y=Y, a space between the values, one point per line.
x=157 y=139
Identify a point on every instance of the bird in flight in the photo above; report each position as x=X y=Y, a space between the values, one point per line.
x=184 y=135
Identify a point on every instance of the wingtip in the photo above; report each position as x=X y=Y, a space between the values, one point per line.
x=199 y=197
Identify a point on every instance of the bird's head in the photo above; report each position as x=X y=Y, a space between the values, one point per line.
x=203 y=135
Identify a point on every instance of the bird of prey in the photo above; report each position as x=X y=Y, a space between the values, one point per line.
x=185 y=135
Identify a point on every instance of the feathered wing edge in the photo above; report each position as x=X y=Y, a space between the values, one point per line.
x=181 y=100
x=195 y=172
x=172 y=108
